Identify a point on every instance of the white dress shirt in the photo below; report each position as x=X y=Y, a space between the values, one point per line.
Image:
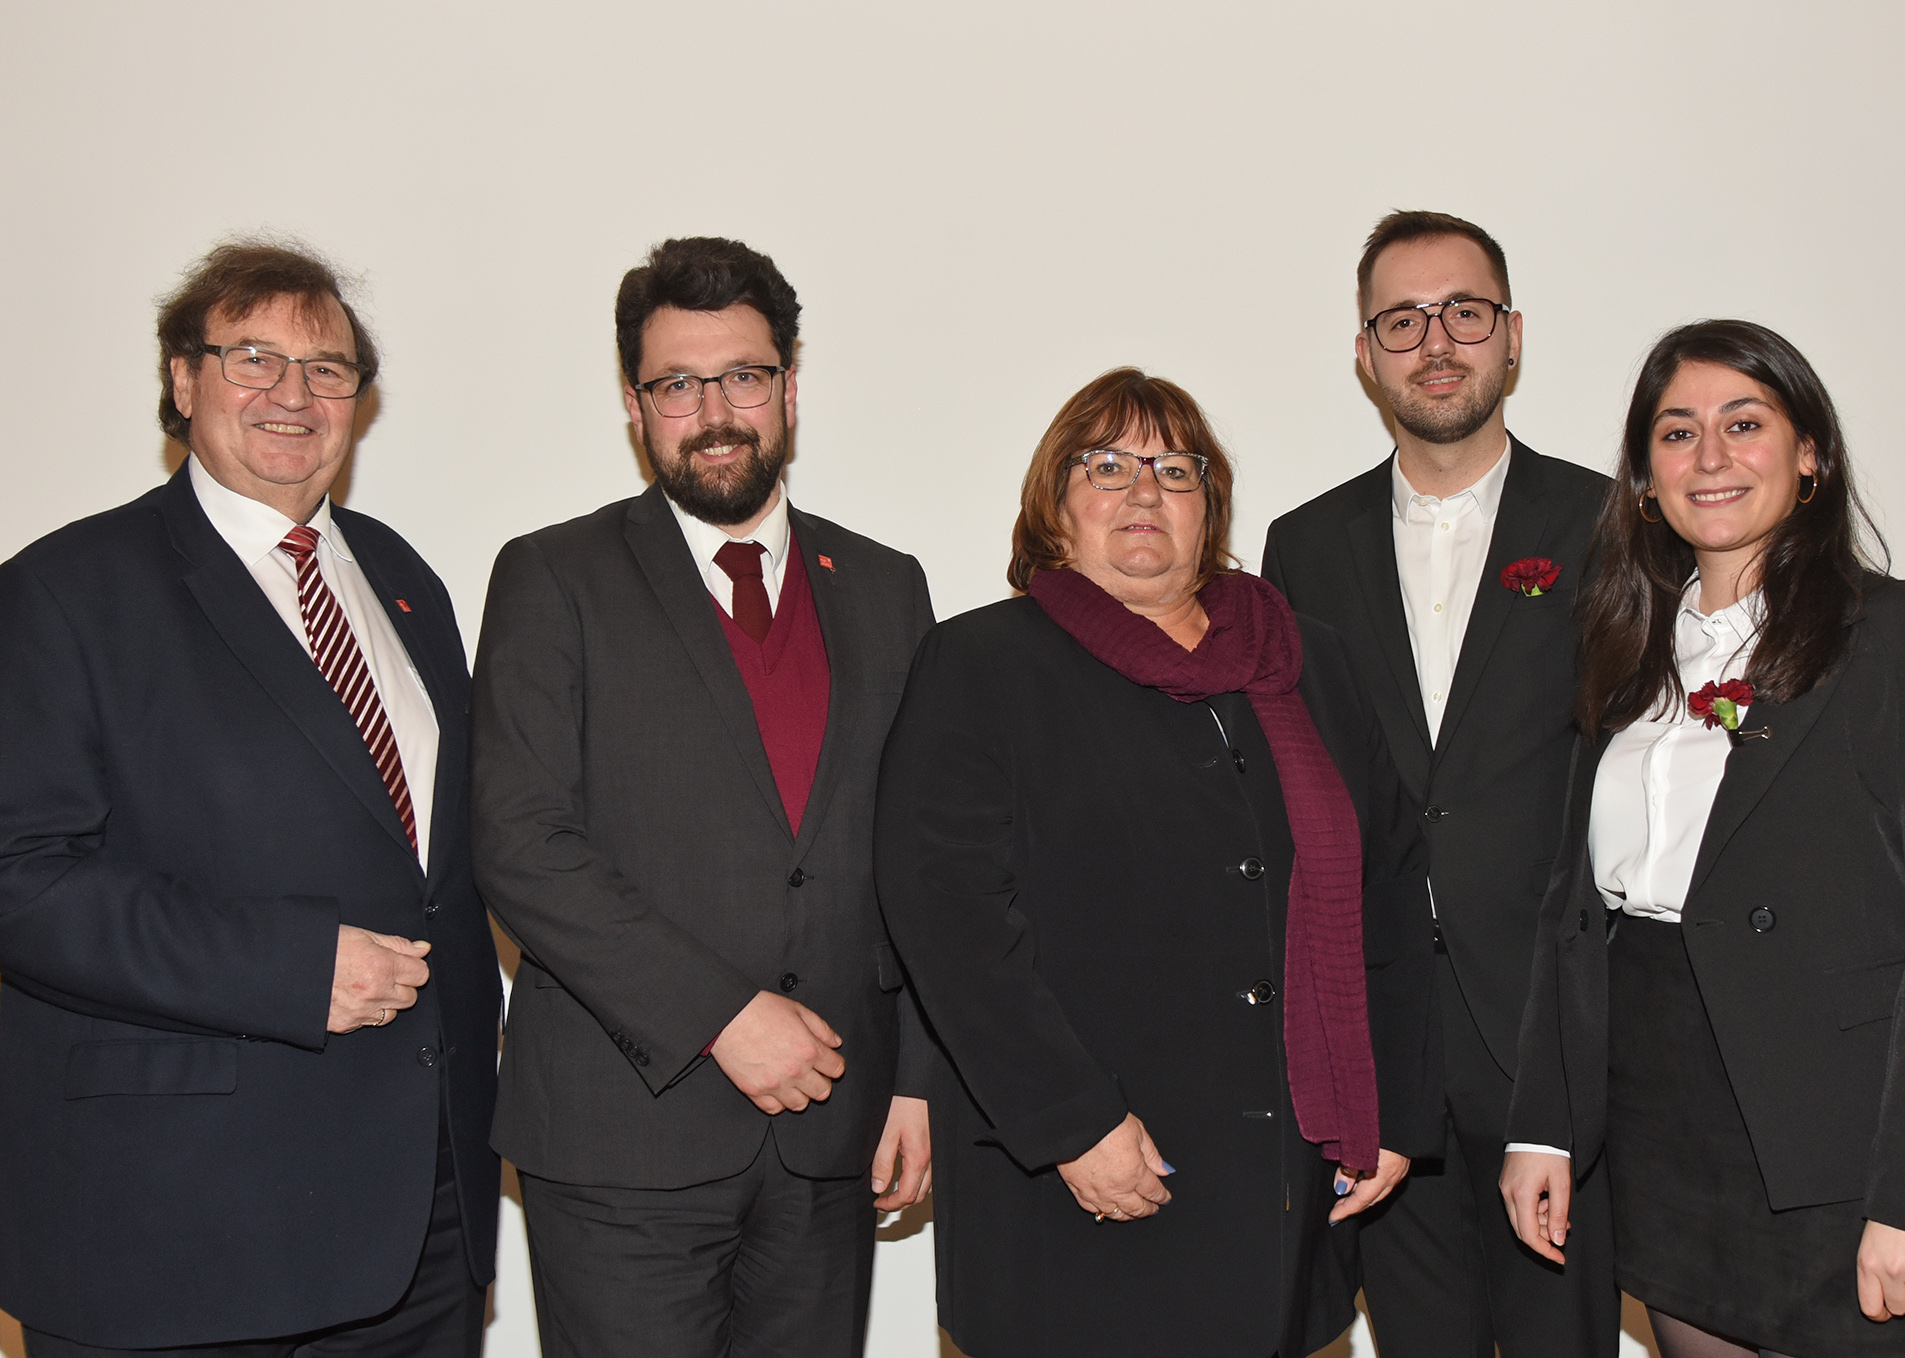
x=1441 y=550
x=1656 y=782
x=254 y=530
x=704 y=540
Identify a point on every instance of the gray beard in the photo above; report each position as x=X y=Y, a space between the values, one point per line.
x=1444 y=424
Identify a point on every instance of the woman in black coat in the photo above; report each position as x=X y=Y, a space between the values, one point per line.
x=1090 y=880
x=1715 y=991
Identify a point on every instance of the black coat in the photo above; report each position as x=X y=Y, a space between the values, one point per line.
x=1804 y=998
x=1085 y=888
x=1491 y=791
x=187 y=814
x=631 y=838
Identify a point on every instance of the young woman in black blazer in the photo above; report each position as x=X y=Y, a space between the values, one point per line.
x=1715 y=989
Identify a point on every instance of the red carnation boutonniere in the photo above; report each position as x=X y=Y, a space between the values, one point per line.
x=1532 y=576
x=1722 y=704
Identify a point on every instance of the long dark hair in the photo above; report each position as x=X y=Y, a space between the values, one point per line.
x=1811 y=569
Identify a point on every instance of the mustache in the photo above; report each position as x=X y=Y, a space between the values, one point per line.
x=1442 y=365
x=723 y=436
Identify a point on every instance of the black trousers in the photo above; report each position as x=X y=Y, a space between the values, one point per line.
x=1443 y=1274
x=763 y=1263
x=440 y=1315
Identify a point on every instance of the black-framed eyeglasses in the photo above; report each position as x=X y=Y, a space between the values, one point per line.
x=743 y=388
x=246 y=365
x=1115 y=469
x=1466 y=320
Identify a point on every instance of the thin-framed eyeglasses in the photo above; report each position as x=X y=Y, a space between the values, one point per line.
x=680 y=394
x=1115 y=469
x=1466 y=320
x=246 y=365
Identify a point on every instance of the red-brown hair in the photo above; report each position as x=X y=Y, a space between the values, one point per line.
x=1122 y=404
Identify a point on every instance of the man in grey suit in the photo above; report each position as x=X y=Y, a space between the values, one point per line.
x=679 y=710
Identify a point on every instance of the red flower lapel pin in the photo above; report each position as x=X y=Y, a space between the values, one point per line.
x=825 y=561
x=1723 y=704
x=1532 y=576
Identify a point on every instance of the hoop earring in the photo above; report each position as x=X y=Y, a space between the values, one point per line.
x=1642 y=507
x=1811 y=490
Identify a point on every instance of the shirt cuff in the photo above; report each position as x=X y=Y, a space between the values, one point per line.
x=1544 y=1150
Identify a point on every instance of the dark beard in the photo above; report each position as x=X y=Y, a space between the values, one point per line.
x=729 y=495
x=1442 y=423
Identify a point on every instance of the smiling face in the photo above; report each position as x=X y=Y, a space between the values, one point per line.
x=1141 y=545
x=1726 y=463
x=720 y=464
x=1442 y=392
x=283 y=447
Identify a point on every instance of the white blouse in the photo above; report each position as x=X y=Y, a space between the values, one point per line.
x=1655 y=786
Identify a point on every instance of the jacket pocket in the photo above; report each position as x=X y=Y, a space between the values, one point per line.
x=1869 y=993
x=891 y=977
x=188 y=1065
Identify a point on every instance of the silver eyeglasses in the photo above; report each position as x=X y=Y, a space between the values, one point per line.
x=1115 y=469
x=246 y=365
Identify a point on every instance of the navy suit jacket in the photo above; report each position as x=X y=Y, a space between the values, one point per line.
x=187 y=814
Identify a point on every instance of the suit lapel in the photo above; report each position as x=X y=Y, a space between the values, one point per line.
x=1372 y=542
x=1520 y=519
x=838 y=630
x=251 y=627
x=1751 y=766
x=662 y=553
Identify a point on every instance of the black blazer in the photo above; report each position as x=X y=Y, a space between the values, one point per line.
x=1491 y=791
x=1806 y=825
x=1089 y=895
x=630 y=837
x=187 y=814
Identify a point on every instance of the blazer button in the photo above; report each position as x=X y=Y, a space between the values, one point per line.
x=639 y=1057
x=1251 y=868
x=788 y=982
x=1433 y=813
x=427 y=1057
x=1260 y=993
x=1762 y=920
x=796 y=878
x=1584 y=921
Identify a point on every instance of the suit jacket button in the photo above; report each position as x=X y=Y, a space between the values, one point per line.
x=1584 y=921
x=1762 y=920
x=1434 y=813
x=796 y=877
x=427 y=1057
x=639 y=1057
x=788 y=982
x=1251 y=868
x=1260 y=993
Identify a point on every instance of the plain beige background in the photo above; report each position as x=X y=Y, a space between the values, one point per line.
x=982 y=206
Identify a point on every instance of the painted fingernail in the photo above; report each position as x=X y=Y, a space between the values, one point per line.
x=1342 y=1186
x=1169 y=1168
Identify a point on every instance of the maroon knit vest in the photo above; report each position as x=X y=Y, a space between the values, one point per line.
x=789 y=679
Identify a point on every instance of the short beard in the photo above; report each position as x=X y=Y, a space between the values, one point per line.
x=1442 y=422
x=728 y=495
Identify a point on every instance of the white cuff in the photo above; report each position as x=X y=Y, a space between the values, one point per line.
x=1544 y=1150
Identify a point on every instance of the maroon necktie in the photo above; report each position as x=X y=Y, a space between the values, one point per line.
x=342 y=665
x=742 y=562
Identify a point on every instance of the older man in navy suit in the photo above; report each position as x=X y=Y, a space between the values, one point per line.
x=248 y=1019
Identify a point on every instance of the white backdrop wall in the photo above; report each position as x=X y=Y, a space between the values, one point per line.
x=982 y=206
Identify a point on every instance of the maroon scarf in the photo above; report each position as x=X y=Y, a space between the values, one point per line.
x=1252 y=646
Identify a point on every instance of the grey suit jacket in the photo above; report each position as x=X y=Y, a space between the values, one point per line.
x=630 y=838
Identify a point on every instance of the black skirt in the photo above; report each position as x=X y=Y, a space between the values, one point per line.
x=1694 y=1235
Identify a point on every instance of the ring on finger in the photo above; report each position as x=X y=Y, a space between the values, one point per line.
x=383 y=1017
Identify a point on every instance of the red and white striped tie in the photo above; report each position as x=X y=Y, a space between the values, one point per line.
x=342 y=665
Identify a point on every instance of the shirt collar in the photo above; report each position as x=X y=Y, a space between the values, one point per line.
x=704 y=539
x=252 y=528
x=1487 y=491
x=1739 y=618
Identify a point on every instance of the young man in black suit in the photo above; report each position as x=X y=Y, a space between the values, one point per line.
x=248 y=1024
x=1451 y=569
x=680 y=705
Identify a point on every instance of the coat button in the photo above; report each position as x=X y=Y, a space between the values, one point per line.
x=431 y=908
x=1260 y=993
x=796 y=877
x=1762 y=920
x=1584 y=921
x=427 y=1057
x=1251 y=868
x=1434 y=813
x=639 y=1057
x=788 y=982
